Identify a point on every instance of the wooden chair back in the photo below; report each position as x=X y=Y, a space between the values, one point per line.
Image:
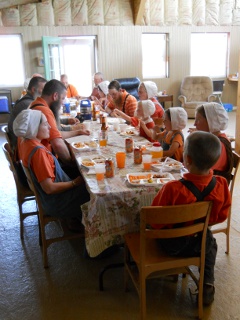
x=24 y=193
x=44 y=220
x=144 y=249
x=225 y=227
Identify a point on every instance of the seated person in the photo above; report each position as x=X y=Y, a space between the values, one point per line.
x=201 y=151
x=172 y=139
x=97 y=79
x=71 y=90
x=148 y=90
x=142 y=118
x=49 y=104
x=120 y=99
x=102 y=102
x=60 y=196
x=26 y=83
x=34 y=90
x=212 y=117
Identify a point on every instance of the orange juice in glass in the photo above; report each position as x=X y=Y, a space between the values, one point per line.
x=103 y=136
x=100 y=171
x=121 y=158
x=147 y=161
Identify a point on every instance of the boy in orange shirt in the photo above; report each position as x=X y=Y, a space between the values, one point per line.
x=201 y=152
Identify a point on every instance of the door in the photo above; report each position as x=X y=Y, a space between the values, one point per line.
x=74 y=56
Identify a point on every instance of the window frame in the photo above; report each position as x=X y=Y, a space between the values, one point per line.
x=165 y=70
x=11 y=63
x=208 y=69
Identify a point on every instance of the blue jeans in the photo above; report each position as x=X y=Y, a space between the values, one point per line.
x=191 y=246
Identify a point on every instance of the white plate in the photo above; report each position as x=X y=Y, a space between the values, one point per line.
x=79 y=145
x=115 y=120
x=149 y=178
x=128 y=133
x=87 y=162
x=168 y=165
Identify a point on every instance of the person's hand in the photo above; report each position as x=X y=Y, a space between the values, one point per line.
x=114 y=114
x=83 y=132
x=78 y=181
x=73 y=121
x=191 y=130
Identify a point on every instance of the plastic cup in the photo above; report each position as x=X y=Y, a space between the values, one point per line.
x=116 y=125
x=102 y=138
x=87 y=125
x=123 y=127
x=147 y=161
x=100 y=171
x=121 y=158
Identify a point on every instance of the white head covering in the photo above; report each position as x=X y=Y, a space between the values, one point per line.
x=27 y=123
x=151 y=88
x=104 y=86
x=148 y=108
x=216 y=115
x=178 y=118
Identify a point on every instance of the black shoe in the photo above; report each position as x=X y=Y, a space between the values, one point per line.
x=208 y=294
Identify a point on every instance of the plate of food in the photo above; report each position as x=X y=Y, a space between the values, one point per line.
x=128 y=132
x=84 y=145
x=98 y=159
x=149 y=178
x=79 y=145
x=167 y=164
x=87 y=162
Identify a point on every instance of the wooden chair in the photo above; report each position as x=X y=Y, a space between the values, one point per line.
x=5 y=130
x=24 y=193
x=143 y=257
x=226 y=227
x=44 y=220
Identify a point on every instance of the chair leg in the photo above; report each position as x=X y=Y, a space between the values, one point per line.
x=21 y=221
x=227 y=242
x=142 y=298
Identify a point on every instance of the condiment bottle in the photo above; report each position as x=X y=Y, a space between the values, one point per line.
x=137 y=155
x=109 y=165
x=94 y=116
x=103 y=122
x=157 y=150
x=129 y=145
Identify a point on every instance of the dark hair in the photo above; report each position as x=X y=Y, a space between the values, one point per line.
x=34 y=82
x=201 y=111
x=114 y=85
x=203 y=148
x=53 y=86
x=168 y=113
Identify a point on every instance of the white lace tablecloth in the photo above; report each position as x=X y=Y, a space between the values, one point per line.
x=114 y=206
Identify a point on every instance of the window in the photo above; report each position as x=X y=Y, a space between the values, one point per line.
x=154 y=55
x=209 y=54
x=11 y=61
x=74 y=56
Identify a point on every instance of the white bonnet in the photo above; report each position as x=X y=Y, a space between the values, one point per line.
x=148 y=107
x=27 y=123
x=104 y=86
x=216 y=115
x=151 y=88
x=179 y=118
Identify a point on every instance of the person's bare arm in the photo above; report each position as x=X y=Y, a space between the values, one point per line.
x=149 y=132
x=50 y=187
x=74 y=133
x=59 y=147
x=172 y=150
x=122 y=115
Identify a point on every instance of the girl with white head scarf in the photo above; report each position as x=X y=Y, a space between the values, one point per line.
x=103 y=94
x=60 y=196
x=212 y=117
x=172 y=139
x=148 y=90
x=142 y=118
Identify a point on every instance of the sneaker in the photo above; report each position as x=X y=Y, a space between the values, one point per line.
x=208 y=294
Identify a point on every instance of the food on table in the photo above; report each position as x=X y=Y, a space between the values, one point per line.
x=79 y=145
x=91 y=144
x=139 y=177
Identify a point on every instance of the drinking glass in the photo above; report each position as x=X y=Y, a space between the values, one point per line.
x=121 y=158
x=147 y=160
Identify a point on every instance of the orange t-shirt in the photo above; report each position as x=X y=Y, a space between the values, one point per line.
x=174 y=193
x=54 y=132
x=130 y=104
x=71 y=91
x=42 y=163
x=222 y=162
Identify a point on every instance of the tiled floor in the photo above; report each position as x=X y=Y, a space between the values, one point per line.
x=68 y=290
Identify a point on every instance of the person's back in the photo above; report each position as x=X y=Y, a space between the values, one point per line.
x=201 y=151
x=34 y=90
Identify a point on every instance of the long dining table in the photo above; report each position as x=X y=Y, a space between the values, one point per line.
x=115 y=204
